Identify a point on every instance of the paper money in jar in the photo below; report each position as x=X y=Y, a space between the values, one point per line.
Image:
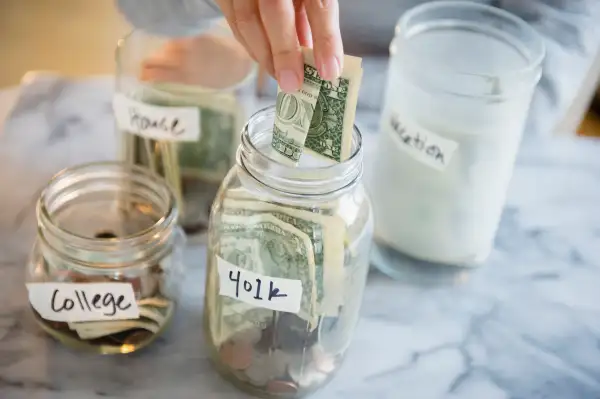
x=284 y=277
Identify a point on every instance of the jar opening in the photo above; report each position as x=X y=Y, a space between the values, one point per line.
x=107 y=208
x=142 y=57
x=312 y=176
x=469 y=48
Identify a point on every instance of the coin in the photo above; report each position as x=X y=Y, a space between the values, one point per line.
x=281 y=387
x=250 y=336
x=259 y=373
x=241 y=357
x=226 y=353
x=307 y=377
x=322 y=361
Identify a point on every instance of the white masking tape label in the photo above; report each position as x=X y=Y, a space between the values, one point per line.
x=73 y=302
x=423 y=145
x=156 y=122
x=274 y=293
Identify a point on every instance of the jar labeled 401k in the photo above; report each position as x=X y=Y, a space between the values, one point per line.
x=287 y=264
x=105 y=271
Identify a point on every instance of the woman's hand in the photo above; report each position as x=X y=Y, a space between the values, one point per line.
x=272 y=32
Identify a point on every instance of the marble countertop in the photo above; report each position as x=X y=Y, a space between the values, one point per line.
x=525 y=326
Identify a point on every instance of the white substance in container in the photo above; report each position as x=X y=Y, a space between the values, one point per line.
x=460 y=82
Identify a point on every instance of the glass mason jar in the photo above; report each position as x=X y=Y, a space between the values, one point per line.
x=460 y=81
x=180 y=105
x=106 y=231
x=287 y=265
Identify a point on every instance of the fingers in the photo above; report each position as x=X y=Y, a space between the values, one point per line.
x=323 y=16
x=279 y=19
x=302 y=26
x=248 y=22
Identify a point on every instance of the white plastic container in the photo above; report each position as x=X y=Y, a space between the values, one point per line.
x=460 y=82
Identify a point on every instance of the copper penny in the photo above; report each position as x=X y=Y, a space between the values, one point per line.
x=281 y=387
x=241 y=356
x=226 y=353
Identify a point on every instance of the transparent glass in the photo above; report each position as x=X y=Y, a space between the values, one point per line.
x=308 y=223
x=110 y=222
x=210 y=73
x=460 y=82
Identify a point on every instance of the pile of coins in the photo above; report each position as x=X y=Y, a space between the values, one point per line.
x=282 y=359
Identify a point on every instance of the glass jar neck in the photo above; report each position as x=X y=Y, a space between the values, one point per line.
x=106 y=216
x=314 y=182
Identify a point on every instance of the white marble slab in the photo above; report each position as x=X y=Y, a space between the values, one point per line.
x=526 y=326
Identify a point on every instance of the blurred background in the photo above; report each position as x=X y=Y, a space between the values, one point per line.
x=77 y=38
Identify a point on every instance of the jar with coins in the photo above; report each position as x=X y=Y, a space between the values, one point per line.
x=105 y=271
x=287 y=265
x=179 y=106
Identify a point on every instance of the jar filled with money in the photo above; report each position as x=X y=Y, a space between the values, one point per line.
x=460 y=81
x=179 y=106
x=105 y=271
x=288 y=254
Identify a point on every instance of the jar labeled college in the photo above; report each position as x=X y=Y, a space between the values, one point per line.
x=287 y=265
x=106 y=268
x=180 y=105
x=460 y=81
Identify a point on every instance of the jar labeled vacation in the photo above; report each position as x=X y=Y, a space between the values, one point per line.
x=106 y=268
x=460 y=81
x=287 y=264
x=180 y=105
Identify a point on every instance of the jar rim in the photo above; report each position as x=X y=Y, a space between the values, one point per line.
x=322 y=180
x=537 y=50
x=215 y=27
x=164 y=222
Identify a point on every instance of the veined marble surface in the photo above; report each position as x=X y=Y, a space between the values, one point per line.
x=525 y=326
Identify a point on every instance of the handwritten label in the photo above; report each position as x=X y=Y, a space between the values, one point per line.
x=156 y=122
x=423 y=145
x=261 y=291
x=73 y=302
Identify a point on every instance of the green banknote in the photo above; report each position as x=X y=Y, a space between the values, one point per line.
x=331 y=114
x=294 y=112
x=265 y=245
x=221 y=120
x=327 y=237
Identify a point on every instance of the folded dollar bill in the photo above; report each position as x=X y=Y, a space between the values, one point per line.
x=320 y=116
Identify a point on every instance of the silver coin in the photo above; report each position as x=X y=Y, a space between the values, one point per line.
x=258 y=372
x=281 y=387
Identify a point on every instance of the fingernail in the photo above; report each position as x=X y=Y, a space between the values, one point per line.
x=330 y=69
x=289 y=80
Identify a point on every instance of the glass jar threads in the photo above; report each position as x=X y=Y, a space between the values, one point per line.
x=460 y=81
x=105 y=271
x=287 y=264
x=180 y=105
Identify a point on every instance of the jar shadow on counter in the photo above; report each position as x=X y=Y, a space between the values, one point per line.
x=401 y=267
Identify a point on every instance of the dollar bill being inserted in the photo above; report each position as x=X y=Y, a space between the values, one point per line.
x=319 y=116
x=294 y=113
x=332 y=123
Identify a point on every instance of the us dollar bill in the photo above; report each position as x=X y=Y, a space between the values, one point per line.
x=327 y=237
x=294 y=112
x=323 y=125
x=265 y=245
x=332 y=124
